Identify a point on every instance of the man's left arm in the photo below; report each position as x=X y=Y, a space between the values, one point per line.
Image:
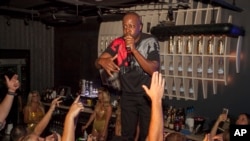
x=148 y=65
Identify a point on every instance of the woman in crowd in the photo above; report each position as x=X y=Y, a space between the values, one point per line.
x=101 y=116
x=33 y=111
x=243 y=119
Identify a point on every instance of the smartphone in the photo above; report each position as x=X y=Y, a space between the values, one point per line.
x=225 y=111
x=83 y=99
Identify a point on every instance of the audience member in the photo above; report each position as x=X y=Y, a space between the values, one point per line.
x=155 y=92
x=20 y=132
x=175 y=136
x=5 y=106
x=101 y=116
x=33 y=111
x=243 y=119
x=71 y=120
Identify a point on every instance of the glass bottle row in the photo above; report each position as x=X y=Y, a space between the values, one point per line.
x=210 y=45
x=182 y=88
x=193 y=66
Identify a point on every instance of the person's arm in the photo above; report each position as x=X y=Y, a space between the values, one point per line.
x=71 y=120
x=156 y=93
x=26 y=115
x=147 y=65
x=106 y=62
x=91 y=119
x=45 y=120
x=5 y=105
x=222 y=117
x=107 y=118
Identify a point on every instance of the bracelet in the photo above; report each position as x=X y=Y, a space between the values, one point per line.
x=12 y=93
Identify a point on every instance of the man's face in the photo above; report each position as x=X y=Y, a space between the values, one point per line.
x=131 y=26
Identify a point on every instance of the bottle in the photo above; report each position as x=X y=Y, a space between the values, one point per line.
x=83 y=86
x=210 y=46
x=90 y=88
x=181 y=89
x=199 y=68
x=86 y=91
x=191 y=89
x=171 y=46
x=180 y=69
x=199 y=45
x=162 y=67
x=189 y=67
x=221 y=46
x=210 y=68
x=189 y=45
x=179 y=45
x=221 y=68
x=171 y=66
x=102 y=47
x=173 y=89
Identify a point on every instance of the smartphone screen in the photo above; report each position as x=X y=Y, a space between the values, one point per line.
x=225 y=111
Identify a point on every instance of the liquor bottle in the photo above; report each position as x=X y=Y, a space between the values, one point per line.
x=162 y=67
x=191 y=89
x=189 y=45
x=90 y=88
x=180 y=69
x=210 y=46
x=221 y=68
x=179 y=45
x=102 y=46
x=171 y=45
x=181 y=89
x=173 y=89
x=199 y=68
x=171 y=66
x=210 y=68
x=221 y=46
x=199 y=45
x=189 y=67
x=86 y=91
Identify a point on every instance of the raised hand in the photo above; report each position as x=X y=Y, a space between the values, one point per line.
x=75 y=108
x=13 y=83
x=156 y=88
x=109 y=65
x=55 y=103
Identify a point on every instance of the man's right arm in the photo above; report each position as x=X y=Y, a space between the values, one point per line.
x=98 y=62
x=106 y=62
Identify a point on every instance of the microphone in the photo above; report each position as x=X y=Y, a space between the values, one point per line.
x=129 y=55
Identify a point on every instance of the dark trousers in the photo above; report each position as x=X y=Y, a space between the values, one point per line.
x=135 y=109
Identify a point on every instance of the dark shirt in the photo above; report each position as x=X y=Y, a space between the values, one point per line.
x=132 y=76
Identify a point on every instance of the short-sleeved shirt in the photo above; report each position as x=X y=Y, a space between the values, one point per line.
x=132 y=76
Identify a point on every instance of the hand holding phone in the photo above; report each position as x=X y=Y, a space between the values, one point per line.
x=225 y=111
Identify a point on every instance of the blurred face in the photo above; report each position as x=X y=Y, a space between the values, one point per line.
x=242 y=120
x=35 y=97
x=131 y=25
x=100 y=96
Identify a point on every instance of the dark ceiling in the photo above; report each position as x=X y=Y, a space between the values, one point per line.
x=56 y=12
x=63 y=11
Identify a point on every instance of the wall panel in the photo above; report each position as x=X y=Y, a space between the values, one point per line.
x=37 y=38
